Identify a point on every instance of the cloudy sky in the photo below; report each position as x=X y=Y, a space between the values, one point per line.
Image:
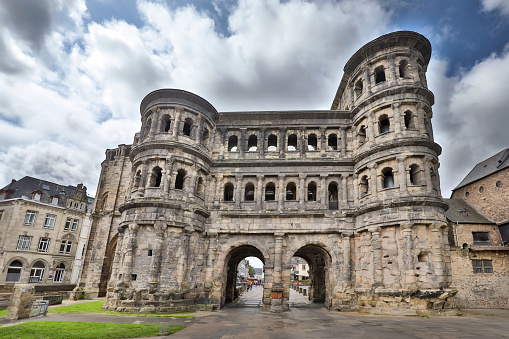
x=73 y=72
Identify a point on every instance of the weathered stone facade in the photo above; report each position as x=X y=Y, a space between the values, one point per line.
x=353 y=190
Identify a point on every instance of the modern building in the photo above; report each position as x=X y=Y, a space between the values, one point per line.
x=43 y=231
x=478 y=217
x=353 y=190
x=300 y=269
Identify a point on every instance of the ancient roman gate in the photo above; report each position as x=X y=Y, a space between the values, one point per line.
x=353 y=190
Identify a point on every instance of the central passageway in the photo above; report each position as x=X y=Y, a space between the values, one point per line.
x=253 y=298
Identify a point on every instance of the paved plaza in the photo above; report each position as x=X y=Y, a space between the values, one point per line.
x=243 y=319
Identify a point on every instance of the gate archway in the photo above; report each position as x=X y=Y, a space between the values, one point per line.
x=230 y=269
x=319 y=261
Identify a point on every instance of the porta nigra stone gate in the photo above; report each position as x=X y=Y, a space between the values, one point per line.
x=353 y=190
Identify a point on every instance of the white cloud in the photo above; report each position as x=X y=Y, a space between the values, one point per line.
x=471 y=116
x=71 y=88
x=496 y=5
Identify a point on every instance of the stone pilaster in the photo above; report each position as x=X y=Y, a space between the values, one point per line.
x=402 y=175
x=397 y=119
x=238 y=191
x=157 y=251
x=408 y=258
x=344 y=191
x=259 y=192
x=343 y=141
x=302 y=191
x=324 y=200
x=282 y=142
x=376 y=247
x=281 y=192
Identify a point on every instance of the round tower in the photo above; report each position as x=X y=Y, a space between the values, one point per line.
x=396 y=185
x=164 y=213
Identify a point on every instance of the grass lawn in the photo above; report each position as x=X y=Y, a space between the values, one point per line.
x=80 y=330
x=96 y=307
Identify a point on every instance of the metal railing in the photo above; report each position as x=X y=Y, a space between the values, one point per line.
x=39 y=307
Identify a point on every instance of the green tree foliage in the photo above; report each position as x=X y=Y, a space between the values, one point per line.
x=251 y=271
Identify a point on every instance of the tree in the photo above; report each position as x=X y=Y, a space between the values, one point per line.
x=251 y=271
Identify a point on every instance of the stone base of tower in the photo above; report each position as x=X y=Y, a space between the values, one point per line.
x=398 y=302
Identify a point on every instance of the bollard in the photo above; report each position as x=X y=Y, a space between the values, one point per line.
x=304 y=291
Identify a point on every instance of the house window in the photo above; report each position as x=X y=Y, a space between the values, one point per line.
x=50 y=221
x=23 y=243
x=403 y=69
x=187 y=127
x=166 y=123
x=37 y=196
x=409 y=120
x=59 y=273
x=37 y=272
x=333 y=196
x=292 y=142
x=361 y=135
x=482 y=266
x=272 y=143
x=43 y=245
x=54 y=200
x=384 y=124
x=14 y=271
x=304 y=267
x=467 y=194
x=68 y=224
x=415 y=175
x=74 y=226
x=364 y=185
x=358 y=89
x=481 y=238
x=65 y=247
x=333 y=142
x=228 y=192
x=233 y=143
x=30 y=218
x=155 y=177
x=270 y=192
x=200 y=188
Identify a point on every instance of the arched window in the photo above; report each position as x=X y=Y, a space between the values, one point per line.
x=415 y=175
x=292 y=142
x=384 y=124
x=291 y=191
x=155 y=177
x=233 y=143
x=188 y=124
x=358 y=89
x=312 y=142
x=180 y=179
x=37 y=272
x=228 y=192
x=364 y=185
x=403 y=69
x=333 y=142
x=165 y=123
x=312 y=191
x=249 y=192
x=361 y=135
x=409 y=120
x=388 y=177
x=59 y=273
x=379 y=74
x=200 y=188
x=333 y=196
x=102 y=203
x=205 y=137
x=14 y=271
x=272 y=143
x=270 y=192
x=252 y=143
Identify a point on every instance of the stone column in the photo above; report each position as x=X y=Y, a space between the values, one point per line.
x=343 y=141
x=166 y=176
x=143 y=179
x=223 y=141
x=356 y=193
x=344 y=191
x=408 y=258
x=415 y=72
x=421 y=120
x=347 y=264
x=199 y=129
x=303 y=143
x=374 y=181
x=219 y=183
x=427 y=174
x=130 y=248
x=155 y=123
x=176 y=124
x=324 y=190
x=277 y=301
x=281 y=191
x=302 y=191
x=438 y=254
x=376 y=247
x=397 y=119
x=259 y=192
x=242 y=142
x=323 y=146
x=371 y=128
x=157 y=255
x=402 y=176
x=367 y=81
x=282 y=141
x=392 y=70
x=238 y=191
x=261 y=143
